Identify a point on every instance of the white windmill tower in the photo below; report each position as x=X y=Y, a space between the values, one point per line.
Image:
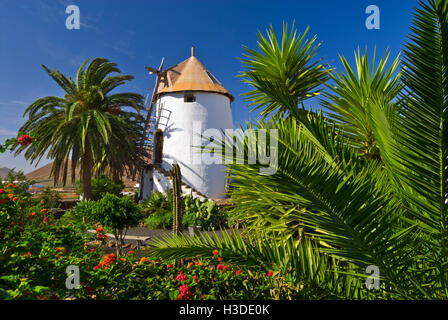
x=188 y=98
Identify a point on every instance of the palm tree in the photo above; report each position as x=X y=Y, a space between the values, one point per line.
x=348 y=98
x=90 y=124
x=327 y=207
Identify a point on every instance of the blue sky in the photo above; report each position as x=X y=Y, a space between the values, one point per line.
x=135 y=33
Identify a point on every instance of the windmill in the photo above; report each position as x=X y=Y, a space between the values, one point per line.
x=188 y=100
x=150 y=121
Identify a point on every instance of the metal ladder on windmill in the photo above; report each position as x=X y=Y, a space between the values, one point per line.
x=155 y=123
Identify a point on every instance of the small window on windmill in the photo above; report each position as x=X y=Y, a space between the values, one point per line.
x=189 y=97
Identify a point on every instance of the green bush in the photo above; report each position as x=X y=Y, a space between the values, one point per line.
x=157 y=202
x=50 y=198
x=157 y=209
x=102 y=185
x=204 y=213
x=160 y=220
x=117 y=213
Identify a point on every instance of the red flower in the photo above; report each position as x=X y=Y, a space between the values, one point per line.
x=169 y=266
x=45 y=219
x=215 y=252
x=270 y=273
x=219 y=267
x=185 y=292
x=2 y=191
x=25 y=140
x=181 y=277
x=195 y=278
x=238 y=272
x=219 y=259
x=98 y=230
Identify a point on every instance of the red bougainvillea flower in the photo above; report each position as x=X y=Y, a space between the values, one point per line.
x=28 y=254
x=238 y=272
x=270 y=273
x=130 y=252
x=181 y=277
x=185 y=292
x=219 y=267
x=215 y=252
x=45 y=219
x=2 y=191
x=25 y=140
x=225 y=268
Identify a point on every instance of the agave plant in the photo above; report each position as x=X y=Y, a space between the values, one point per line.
x=329 y=212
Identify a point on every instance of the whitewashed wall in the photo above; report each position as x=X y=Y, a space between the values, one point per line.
x=210 y=110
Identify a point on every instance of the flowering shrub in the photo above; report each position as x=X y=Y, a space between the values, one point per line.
x=36 y=249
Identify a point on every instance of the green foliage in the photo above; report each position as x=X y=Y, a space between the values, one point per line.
x=354 y=92
x=102 y=185
x=160 y=220
x=204 y=213
x=116 y=213
x=283 y=72
x=157 y=209
x=370 y=189
x=50 y=198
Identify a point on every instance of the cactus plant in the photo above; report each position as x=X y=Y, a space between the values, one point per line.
x=177 y=198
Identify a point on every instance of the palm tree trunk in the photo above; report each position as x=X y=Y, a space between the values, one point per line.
x=86 y=169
